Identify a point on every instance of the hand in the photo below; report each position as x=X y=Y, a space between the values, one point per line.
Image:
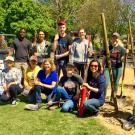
x=5 y=87
x=36 y=54
x=76 y=97
x=9 y=85
x=28 y=88
x=56 y=37
x=36 y=82
x=127 y=50
x=86 y=85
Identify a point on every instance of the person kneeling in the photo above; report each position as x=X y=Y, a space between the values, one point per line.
x=96 y=85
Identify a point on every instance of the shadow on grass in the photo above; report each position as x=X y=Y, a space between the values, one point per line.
x=119 y=116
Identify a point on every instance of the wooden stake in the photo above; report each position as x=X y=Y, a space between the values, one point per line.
x=113 y=95
x=124 y=67
x=132 y=44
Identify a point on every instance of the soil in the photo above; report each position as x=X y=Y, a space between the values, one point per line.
x=113 y=121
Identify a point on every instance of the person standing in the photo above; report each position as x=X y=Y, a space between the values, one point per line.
x=80 y=52
x=21 y=47
x=43 y=48
x=62 y=45
x=117 y=53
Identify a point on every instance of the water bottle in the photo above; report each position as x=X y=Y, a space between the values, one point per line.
x=32 y=79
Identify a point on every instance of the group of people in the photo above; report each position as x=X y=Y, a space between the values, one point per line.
x=60 y=71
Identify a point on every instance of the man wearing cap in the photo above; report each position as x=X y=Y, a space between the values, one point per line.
x=62 y=45
x=30 y=75
x=117 y=56
x=68 y=88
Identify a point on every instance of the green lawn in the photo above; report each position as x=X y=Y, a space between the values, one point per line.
x=14 y=120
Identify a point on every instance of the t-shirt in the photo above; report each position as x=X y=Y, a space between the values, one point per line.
x=71 y=84
x=22 y=49
x=63 y=46
x=99 y=83
x=53 y=77
x=79 y=51
x=30 y=75
x=115 y=56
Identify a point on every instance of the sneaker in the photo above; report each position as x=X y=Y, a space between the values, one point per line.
x=14 y=102
x=32 y=107
x=53 y=107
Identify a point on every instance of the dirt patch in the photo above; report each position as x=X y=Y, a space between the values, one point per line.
x=113 y=121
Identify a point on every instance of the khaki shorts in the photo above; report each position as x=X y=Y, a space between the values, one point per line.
x=21 y=65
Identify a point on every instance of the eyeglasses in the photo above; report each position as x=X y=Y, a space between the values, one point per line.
x=95 y=66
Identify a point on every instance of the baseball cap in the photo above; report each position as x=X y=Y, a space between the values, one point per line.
x=9 y=58
x=62 y=22
x=33 y=57
x=70 y=64
x=116 y=34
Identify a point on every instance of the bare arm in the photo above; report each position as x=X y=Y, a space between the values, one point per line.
x=96 y=90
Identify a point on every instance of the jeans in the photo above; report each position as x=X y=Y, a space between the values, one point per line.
x=69 y=104
x=80 y=68
x=61 y=65
x=14 y=90
x=117 y=73
x=92 y=105
x=61 y=93
x=34 y=95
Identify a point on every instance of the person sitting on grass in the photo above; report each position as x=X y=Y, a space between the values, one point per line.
x=11 y=81
x=68 y=88
x=45 y=82
x=30 y=75
x=96 y=86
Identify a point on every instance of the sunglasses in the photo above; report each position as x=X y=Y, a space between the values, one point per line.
x=95 y=66
x=9 y=62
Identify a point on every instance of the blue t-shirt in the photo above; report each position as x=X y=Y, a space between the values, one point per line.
x=100 y=84
x=53 y=77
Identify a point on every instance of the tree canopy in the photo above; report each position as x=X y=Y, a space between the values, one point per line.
x=44 y=14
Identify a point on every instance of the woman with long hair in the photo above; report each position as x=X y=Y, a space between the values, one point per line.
x=117 y=53
x=43 y=47
x=96 y=85
x=45 y=83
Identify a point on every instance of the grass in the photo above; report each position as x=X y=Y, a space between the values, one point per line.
x=14 y=120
